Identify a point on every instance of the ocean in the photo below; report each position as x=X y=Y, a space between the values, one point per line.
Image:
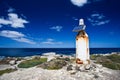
x=22 y=52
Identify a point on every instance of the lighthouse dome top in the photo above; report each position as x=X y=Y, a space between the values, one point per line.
x=80 y=27
x=81 y=22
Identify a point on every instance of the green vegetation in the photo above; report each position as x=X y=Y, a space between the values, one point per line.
x=111 y=61
x=7 y=71
x=32 y=62
x=55 y=64
x=93 y=56
x=114 y=58
x=72 y=60
x=65 y=59
x=112 y=65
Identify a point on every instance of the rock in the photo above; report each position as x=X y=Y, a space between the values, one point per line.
x=101 y=70
x=72 y=72
x=96 y=76
x=49 y=54
x=97 y=70
x=77 y=68
x=57 y=55
x=12 y=62
x=49 y=58
x=114 y=53
x=14 y=67
x=35 y=73
x=72 y=69
x=98 y=65
x=3 y=67
x=36 y=57
x=87 y=67
x=43 y=56
x=82 y=68
x=27 y=58
x=69 y=67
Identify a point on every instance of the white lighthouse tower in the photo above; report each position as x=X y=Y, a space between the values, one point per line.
x=82 y=44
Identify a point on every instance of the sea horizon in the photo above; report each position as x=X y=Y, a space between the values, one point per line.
x=22 y=52
x=56 y=47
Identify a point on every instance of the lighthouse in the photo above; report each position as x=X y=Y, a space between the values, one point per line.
x=82 y=44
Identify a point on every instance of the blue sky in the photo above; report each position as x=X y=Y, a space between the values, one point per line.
x=49 y=23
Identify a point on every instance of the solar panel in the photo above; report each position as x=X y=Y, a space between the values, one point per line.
x=78 y=28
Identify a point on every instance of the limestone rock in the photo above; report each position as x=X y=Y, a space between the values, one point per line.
x=87 y=67
x=82 y=68
x=70 y=67
x=12 y=62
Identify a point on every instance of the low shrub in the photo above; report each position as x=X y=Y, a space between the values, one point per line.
x=7 y=71
x=111 y=61
x=114 y=58
x=54 y=64
x=32 y=62
x=93 y=56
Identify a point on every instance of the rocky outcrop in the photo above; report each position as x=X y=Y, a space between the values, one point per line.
x=63 y=68
x=61 y=74
x=54 y=64
x=12 y=62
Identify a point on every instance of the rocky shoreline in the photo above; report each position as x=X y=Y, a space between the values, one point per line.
x=65 y=70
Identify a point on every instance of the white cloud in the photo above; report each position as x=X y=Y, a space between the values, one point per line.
x=101 y=22
x=5 y=22
x=25 y=40
x=16 y=22
x=74 y=18
x=51 y=42
x=97 y=19
x=14 y=35
x=13 y=20
x=50 y=39
x=11 y=34
x=97 y=15
x=47 y=42
x=57 y=28
x=79 y=3
x=11 y=9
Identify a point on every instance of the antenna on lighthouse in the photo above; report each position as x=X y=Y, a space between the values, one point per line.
x=80 y=27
